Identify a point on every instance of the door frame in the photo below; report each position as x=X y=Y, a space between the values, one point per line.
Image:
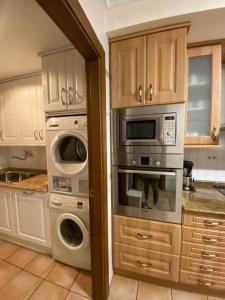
x=69 y=16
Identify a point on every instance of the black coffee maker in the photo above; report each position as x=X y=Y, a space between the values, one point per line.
x=187 y=177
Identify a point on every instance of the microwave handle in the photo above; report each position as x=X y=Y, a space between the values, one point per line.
x=147 y=172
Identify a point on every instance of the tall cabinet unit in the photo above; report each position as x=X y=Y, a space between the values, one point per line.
x=64 y=81
x=204 y=95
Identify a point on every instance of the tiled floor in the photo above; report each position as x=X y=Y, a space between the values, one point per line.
x=26 y=274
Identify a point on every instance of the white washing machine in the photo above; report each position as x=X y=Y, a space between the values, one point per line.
x=70 y=229
x=67 y=155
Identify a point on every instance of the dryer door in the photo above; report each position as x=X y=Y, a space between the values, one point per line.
x=69 y=153
x=72 y=232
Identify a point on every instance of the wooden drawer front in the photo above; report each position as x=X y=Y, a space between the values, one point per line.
x=204 y=221
x=203 y=236
x=147 y=234
x=203 y=266
x=214 y=282
x=146 y=262
x=203 y=252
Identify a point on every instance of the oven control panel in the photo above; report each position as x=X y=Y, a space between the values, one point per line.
x=169 y=129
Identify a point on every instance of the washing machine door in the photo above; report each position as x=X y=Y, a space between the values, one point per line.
x=72 y=232
x=69 y=153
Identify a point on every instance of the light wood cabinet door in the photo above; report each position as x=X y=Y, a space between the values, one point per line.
x=54 y=82
x=128 y=63
x=204 y=95
x=31 y=217
x=76 y=80
x=6 y=216
x=166 y=67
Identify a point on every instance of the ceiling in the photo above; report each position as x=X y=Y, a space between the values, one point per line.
x=25 y=31
x=113 y=3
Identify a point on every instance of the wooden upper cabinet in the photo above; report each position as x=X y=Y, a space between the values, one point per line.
x=166 y=66
x=128 y=61
x=204 y=95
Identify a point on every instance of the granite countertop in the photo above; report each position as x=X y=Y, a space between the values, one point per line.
x=37 y=183
x=206 y=199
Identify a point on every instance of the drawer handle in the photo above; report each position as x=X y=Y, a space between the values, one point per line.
x=208 y=255
x=211 y=240
x=141 y=236
x=142 y=264
x=212 y=224
x=28 y=192
x=205 y=283
x=207 y=269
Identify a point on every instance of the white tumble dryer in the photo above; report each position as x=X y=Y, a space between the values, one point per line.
x=69 y=217
x=67 y=155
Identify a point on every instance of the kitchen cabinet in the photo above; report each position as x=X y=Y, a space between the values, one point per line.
x=204 y=95
x=6 y=216
x=21 y=112
x=149 y=69
x=31 y=216
x=64 y=81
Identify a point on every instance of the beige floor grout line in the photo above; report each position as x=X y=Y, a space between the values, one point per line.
x=171 y=293
x=137 y=290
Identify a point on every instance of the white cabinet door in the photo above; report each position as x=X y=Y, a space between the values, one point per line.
x=31 y=217
x=76 y=80
x=6 y=215
x=54 y=82
x=41 y=117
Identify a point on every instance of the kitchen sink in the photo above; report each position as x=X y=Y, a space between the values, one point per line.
x=16 y=176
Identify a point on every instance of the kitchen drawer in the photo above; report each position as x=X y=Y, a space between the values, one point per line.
x=203 y=236
x=206 y=221
x=214 y=282
x=152 y=235
x=203 y=252
x=146 y=262
x=202 y=266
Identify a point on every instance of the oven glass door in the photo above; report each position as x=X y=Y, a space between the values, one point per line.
x=149 y=194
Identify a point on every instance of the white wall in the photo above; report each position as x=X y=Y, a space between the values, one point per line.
x=95 y=10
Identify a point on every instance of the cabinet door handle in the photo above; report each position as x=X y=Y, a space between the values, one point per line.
x=205 y=269
x=63 y=91
x=212 y=224
x=214 y=134
x=28 y=192
x=143 y=264
x=140 y=94
x=36 y=134
x=208 y=255
x=70 y=96
x=142 y=236
x=205 y=283
x=41 y=134
x=211 y=240
x=1 y=135
x=149 y=93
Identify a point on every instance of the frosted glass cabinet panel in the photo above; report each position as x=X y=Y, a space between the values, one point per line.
x=204 y=85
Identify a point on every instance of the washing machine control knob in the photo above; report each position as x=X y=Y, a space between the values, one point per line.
x=157 y=163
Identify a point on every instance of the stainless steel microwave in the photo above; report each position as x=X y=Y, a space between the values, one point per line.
x=155 y=129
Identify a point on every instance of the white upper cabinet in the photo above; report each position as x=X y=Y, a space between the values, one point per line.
x=64 y=81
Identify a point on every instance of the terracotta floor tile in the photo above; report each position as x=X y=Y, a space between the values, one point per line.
x=7 y=249
x=83 y=284
x=21 y=287
x=63 y=275
x=148 y=291
x=73 y=296
x=183 y=295
x=22 y=257
x=7 y=273
x=49 y=291
x=41 y=265
x=123 y=288
x=215 y=298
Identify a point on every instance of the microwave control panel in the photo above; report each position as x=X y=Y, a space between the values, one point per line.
x=169 y=129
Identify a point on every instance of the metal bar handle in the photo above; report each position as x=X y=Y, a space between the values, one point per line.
x=140 y=93
x=208 y=255
x=214 y=134
x=41 y=134
x=151 y=92
x=211 y=240
x=143 y=236
x=70 y=96
x=1 y=136
x=36 y=134
x=207 y=269
x=147 y=172
x=63 y=90
x=206 y=283
x=143 y=264
x=28 y=192
x=212 y=224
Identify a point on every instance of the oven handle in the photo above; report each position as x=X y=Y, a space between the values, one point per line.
x=146 y=172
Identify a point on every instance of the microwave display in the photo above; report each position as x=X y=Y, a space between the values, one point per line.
x=141 y=130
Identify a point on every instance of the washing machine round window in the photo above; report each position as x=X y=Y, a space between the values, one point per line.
x=69 y=153
x=72 y=232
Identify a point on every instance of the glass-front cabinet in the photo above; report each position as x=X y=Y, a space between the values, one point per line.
x=204 y=92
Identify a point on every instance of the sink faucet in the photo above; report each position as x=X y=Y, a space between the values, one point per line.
x=26 y=155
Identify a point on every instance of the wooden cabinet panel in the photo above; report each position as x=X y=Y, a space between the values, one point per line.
x=147 y=262
x=214 y=282
x=207 y=221
x=203 y=252
x=166 y=67
x=152 y=235
x=6 y=217
x=203 y=236
x=128 y=61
